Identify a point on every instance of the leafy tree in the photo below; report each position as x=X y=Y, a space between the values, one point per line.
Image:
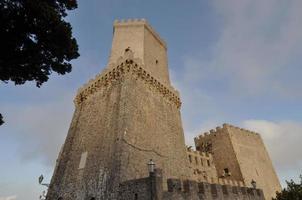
x=293 y=191
x=35 y=40
x=1 y=120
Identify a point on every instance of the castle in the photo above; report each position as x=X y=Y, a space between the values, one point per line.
x=129 y=114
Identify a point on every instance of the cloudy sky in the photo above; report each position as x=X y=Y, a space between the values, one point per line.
x=234 y=61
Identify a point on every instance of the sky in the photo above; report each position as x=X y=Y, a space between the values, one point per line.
x=233 y=61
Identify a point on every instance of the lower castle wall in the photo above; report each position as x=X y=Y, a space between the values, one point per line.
x=150 y=188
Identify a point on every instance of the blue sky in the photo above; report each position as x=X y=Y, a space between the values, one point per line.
x=235 y=61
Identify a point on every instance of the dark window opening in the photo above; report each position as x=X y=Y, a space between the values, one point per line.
x=156 y=61
x=226 y=170
x=190 y=158
x=209 y=164
x=135 y=196
x=92 y=198
x=60 y=198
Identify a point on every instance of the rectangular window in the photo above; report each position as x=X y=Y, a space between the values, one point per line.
x=196 y=160
x=83 y=160
x=209 y=164
x=190 y=158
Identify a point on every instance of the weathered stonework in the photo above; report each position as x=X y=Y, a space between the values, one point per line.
x=150 y=188
x=123 y=118
x=129 y=114
x=243 y=153
x=202 y=166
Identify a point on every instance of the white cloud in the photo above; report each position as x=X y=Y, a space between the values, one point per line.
x=255 y=52
x=14 y=197
x=39 y=129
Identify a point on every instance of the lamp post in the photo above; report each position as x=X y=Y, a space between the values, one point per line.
x=254 y=184
x=43 y=195
x=151 y=166
x=41 y=178
x=151 y=169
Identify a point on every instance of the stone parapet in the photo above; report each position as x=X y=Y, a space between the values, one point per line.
x=142 y=189
x=127 y=66
x=223 y=129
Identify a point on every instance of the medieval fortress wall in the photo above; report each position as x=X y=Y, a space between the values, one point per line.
x=129 y=114
x=242 y=153
x=117 y=130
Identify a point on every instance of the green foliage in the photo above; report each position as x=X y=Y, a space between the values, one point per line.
x=35 y=40
x=1 y=120
x=293 y=191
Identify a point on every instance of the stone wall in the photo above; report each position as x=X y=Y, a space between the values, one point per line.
x=202 y=166
x=147 y=45
x=149 y=188
x=130 y=114
x=243 y=153
x=116 y=131
x=218 y=143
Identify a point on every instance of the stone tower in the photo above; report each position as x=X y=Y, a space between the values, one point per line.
x=124 y=117
x=241 y=155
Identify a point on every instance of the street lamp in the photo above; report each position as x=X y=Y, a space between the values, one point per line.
x=151 y=166
x=43 y=195
x=254 y=184
x=41 y=178
x=151 y=169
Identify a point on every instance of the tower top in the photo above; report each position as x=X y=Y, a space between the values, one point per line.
x=139 y=22
x=138 y=36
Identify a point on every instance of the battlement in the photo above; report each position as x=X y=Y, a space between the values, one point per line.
x=131 y=66
x=139 y=22
x=185 y=190
x=202 y=190
x=199 y=153
x=224 y=129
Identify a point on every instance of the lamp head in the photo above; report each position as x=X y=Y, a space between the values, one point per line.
x=151 y=166
x=254 y=184
x=41 y=179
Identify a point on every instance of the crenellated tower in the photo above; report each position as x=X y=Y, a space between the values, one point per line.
x=240 y=154
x=125 y=116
